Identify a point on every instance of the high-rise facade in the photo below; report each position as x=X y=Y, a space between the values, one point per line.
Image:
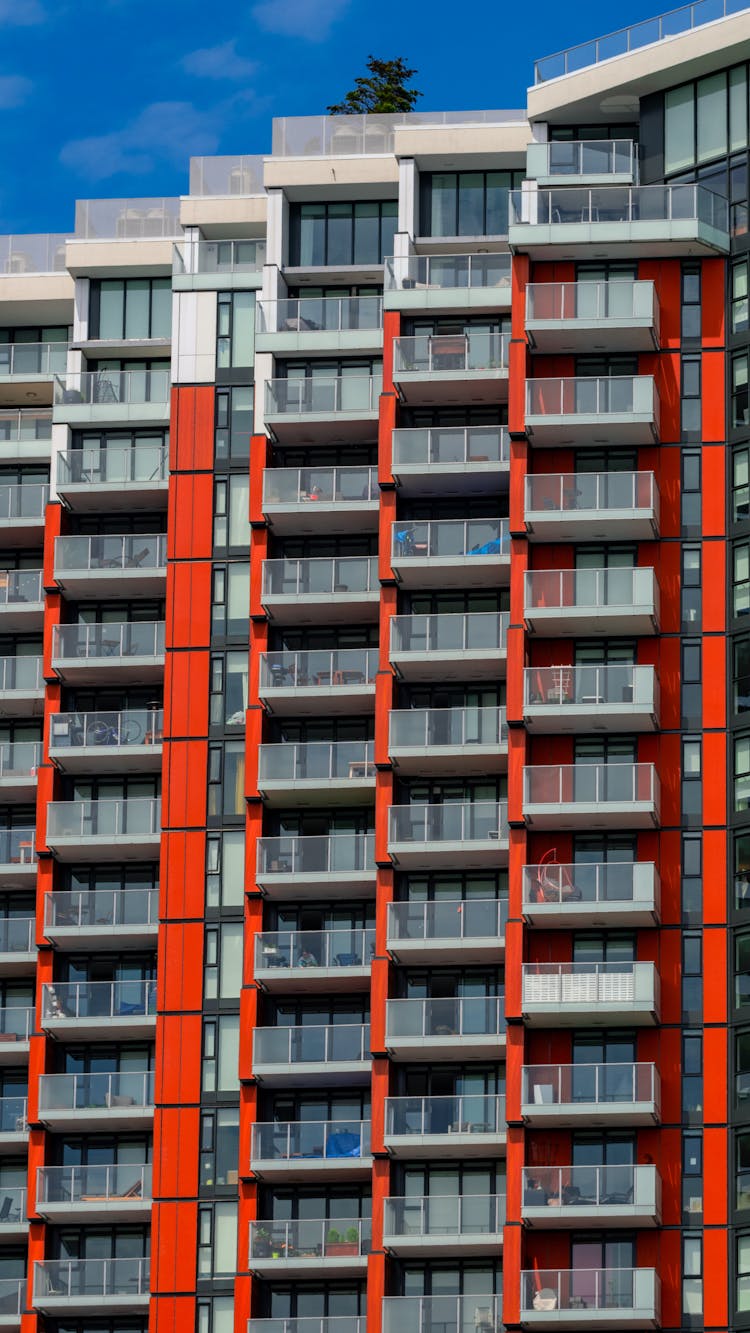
x=375 y=723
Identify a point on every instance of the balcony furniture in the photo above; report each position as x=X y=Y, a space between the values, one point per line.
x=545 y=1299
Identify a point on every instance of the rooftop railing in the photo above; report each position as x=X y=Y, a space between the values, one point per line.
x=321 y=576
x=240 y=256
x=331 y=314
x=316 y=761
x=117 y=1182
x=616 y=301
x=321 y=668
x=24 y=424
x=138 y=817
x=466 y=1114
x=90 y=909
x=98 y=999
x=436 y=1215
x=324 y=1044
x=334 y=1140
x=102 y=640
x=417 y=728
x=352 y=136
x=590 y=492
x=64 y=1280
x=467 y=1016
x=113 y=466
x=40 y=253
x=106 y=551
x=44 y=359
x=468 y=821
x=21 y=674
x=609 y=882
x=620 y=204
x=445 y=538
x=314 y=1238
x=110 y=387
x=126 y=219
x=447 y=919
x=342 y=946
x=423 y=446
x=336 y=853
x=226 y=175
x=315 y=394
x=474 y=631
x=100 y=1091
x=132 y=726
x=433 y=353
x=322 y=485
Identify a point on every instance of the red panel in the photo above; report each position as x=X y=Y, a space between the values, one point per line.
x=176 y=1147
x=184 y=776
x=714 y=587
x=178 y=1057
x=191 y=439
x=188 y=605
x=712 y=302
x=713 y=421
x=191 y=508
x=182 y=880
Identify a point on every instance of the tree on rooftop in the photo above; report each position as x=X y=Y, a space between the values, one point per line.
x=384 y=91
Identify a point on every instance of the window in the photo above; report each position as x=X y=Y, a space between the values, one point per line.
x=229 y=688
x=222 y=967
x=225 y=869
x=340 y=234
x=741 y=579
x=740 y=484
x=217 y=1239
x=690 y=496
x=743 y=1274
x=691 y=303
x=692 y=787
x=742 y=1071
x=692 y=1175
x=692 y=1274
x=740 y=322
x=234 y=423
x=466 y=203
x=711 y=102
x=741 y=971
x=235 y=330
x=692 y=879
x=692 y=978
x=221 y=1052
x=691 y=587
x=691 y=690
x=232 y=512
x=216 y=1315
x=742 y=1170
x=226 y=780
x=742 y=774
x=122 y=308
x=740 y=413
x=690 y=406
x=231 y=600
x=220 y=1145
x=679 y=128
x=692 y=1076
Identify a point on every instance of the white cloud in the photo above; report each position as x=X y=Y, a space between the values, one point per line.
x=164 y=132
x=21 y=13
x=13 y=90
x=218 y=62
x=309 y=19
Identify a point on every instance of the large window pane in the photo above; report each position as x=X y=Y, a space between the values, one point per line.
x=366 y=233
x=679 y=130
x=111 y=310
x=137 y=303
x=443 y=210
x=161 y=308
x=712 y=116
x=471 y=203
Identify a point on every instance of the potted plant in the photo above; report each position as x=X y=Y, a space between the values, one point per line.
x=261 y=1248
x=338 y=1245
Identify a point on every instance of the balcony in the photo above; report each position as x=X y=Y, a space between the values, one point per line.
x=17 y=948
x=342 y=324
x=450 y=460
x=321 y=499
x=341 y=864
x=591 y=698
x=104 y=653
x=612 y=893
x=591 y=410
x=310 y=1324
x=320 y=772
x=26 y=434
x=101 y=918
x=87 y=1010
x=14 y=1223
x=585 y=506
x=454 y=740
x=583 y=162
x=76 y=1103
x=321 y=409
x=619 y=222
x=18 y=858
x=446 y=283
x=120 y=1192
x=441 y=931
x=451 y=836
x=320 y=682
x=27 y=371
x=314 y=960
x=616 y=316
x=218 y=265
x=586 y=796
x=73 y=1286
x=12 y=1302
x=19 y=762
x=575 y=1298
x=449 y=647
x=21 y=600
x=464 y=1028
x=22 y=513
x=114 y=478
x=321 y=590
x=564 y=994
x=445 y=1127
x=111 y=566
x=104 y=830
x=113 y=398
x=334 y=1055
x=21 y=687
x=615 y=601
x=117 y=742
x=440 y=1225
x=443 y=1314
x=590 y=1094
x=445 y=368
x=16 y=1027
x=451 y=553
x=311 y=1151
x=314 y=1248
x=598 y=1196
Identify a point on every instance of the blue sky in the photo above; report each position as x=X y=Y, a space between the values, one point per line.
x=111 y=97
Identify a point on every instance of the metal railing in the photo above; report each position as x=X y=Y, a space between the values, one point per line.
x=13 y=1297
x=63 y=1280
x=615 y=783
x=582 y=157
x=134 y=726
x=23 y=425
x=615 y=882
x=590 y=1085
x=18 y=846
x=460 y=352
x=113 y=466
x=591 y=686
x=352 y=136
x=447 y=538
x=321 y=668
x=613 y=395
x=440 y=1215
x=137 y=817
x=310 y=1140
x=98 y=999
x=316 y=1238
x=317 y=314
x=447 y=445
x=589 y=1186
x=117 y=1182
x=316 y=761
x=225 y=175
x=126 y=219
x=590 y=1289
x=460 y=1016
x=41 y=252
x=12 y=1210
x=470 y=1113
x=443 y=1314
x=16 y=1022
x=107 y=388
x=579 y=589
x=321 y=576
x=619 y=43
x=106 y=641
x=14 y=1115
x=590 y=492
x=616 y=300
x=332 y=854
x=417 y=728
x=20 y=585
x=340 y=946
x=474 y=631
x=327 y=485
x=315 y=394
x=561 y=984
x=466 y=821
x=25 y=501
x=101 y=1091
x=447 y=919
x=106 y=551
x=236 y=256
x=310 y=1324
x=20 y=759
x=21 y=675
x=47 y=359
x=607 y=204
x=322 y=1045
x=83 y=909
x=447 y=271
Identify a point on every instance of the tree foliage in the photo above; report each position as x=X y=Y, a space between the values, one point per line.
x=384 y=90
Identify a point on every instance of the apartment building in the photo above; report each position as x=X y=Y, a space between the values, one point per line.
x=374 y=742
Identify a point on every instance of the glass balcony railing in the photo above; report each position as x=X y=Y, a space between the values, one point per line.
x=591 y=784
x=40 y=252
x=24 y=425
x=239 y=256
x=126 y=219
x=321 y=576
x=334 y=1043
x=23 y=502
x=19 y=759
x=339 y=668
x=606 y=1290
x=22 y=675
x=104 y=640
x=117 y=1182
x=442 y=272
x=316 y=1238
x=16 y=1022
x=13 y=1212
x=18 y=846
x=582 y=157
x=422 y=728
x=578 y=590
x=73 y=1280
x=330 y=136
x=13 y=1298
x=13 y=1116
x=432 y=353
x=335 y=854
x=79 y=820
x=341 y=946
x=467 y=1016
x=443 y=1314
x=469 y=821
x=91 y=909
x=617 y=301
x=326 y=485
x=310 y=1324
x=596 y=984
x=134 y=726
x=614 y=395
x=310 y=1140
x=585 y=493
x=110 y=387
x=591 y=686
x=590 y=1085
x=589 y=1186
x=113 y=466
x=108 y=552
x=441 y=446
x=607 y=204
x=316 y=314
x=127 y=1088
x=425 y=1116
x=477 y=631
x=98 y=999
x=435 y=1216
x=454 y=919
x=20 y=585
x=33 y=359
x=597 y=883
x=323 y=395
x=450 y=538
x=316 y=761
x=226 y=175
